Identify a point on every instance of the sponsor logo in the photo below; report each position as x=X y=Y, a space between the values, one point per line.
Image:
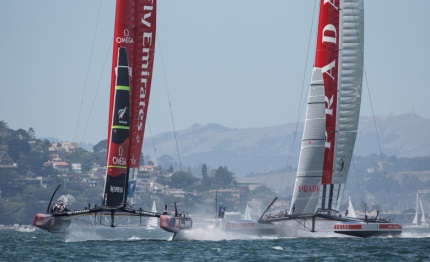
x=329 y=36
x=78 y=212
x=240 y=225
x=346 y=226
x=390 y=226
x=121 y=113
x=119 y=160
x=164 y=221
x=116 y=189
x=125 y=39
x=308 y=189
x=145 y=64
x=187 y=223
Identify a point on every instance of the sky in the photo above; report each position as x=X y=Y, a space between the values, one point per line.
x=237 y=63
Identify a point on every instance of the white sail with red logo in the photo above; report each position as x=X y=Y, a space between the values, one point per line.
x=333 y=108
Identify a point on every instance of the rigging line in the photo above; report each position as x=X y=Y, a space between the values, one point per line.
x=379 y=142
x=153 y=143
x=95 y=95
x=88 y=70
x=358 y=181
x=171 y=112
x=374 y=120
x=300 y=110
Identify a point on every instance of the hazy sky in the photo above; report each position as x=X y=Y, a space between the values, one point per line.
x=238 y=63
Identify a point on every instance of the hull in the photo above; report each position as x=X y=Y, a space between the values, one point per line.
x=250 y=227
x=217 y=230
x=302 y=227
x=54 y=224
x=306 y=227
x=363 y=229
x=174 y=224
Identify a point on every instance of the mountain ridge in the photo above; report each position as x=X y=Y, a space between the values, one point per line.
x=265 y=149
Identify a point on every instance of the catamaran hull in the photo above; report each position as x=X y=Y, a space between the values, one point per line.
x=250 y=227
x=371 y=229
x=174 y=224
x=303 y=228
x=54 y=224
x=330 y=228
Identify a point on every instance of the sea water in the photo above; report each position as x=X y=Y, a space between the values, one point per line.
x=137 y=244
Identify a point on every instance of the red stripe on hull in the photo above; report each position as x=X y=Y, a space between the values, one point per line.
x=390 y=226
x=347 y=226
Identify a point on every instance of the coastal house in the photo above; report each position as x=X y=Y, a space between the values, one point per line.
x=176 y=192
x=249 y=186
x=61 y=166
x=77 y=168
x=63 y=147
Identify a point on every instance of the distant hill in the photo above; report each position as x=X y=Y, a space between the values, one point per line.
x=255 y=150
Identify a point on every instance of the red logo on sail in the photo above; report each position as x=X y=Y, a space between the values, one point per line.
x=309 y=189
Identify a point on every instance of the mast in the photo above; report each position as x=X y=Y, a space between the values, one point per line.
x=132 y=65
x=333 y=108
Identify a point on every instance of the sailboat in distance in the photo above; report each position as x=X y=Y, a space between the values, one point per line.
x=330 y=130
x=416 y=222
x=132 y=65
x=153 y=221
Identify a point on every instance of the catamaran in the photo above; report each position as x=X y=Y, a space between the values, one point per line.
x=330 y=130
x=132 y=65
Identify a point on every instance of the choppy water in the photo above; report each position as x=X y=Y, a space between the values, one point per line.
x=147 y=245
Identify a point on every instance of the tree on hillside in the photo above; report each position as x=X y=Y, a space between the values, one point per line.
x=31 y=133
x=165 y=161
x=18 y=144
x=33 y=162
x=100 y=147
x=182 y=179
x=204 y=171
x=206 y=180
x=223 y=177
x=3 y=126
x=85 y=158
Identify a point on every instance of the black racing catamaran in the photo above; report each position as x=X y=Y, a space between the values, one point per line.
x=132 y=65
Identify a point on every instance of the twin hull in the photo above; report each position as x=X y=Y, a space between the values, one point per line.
x=59 y=223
